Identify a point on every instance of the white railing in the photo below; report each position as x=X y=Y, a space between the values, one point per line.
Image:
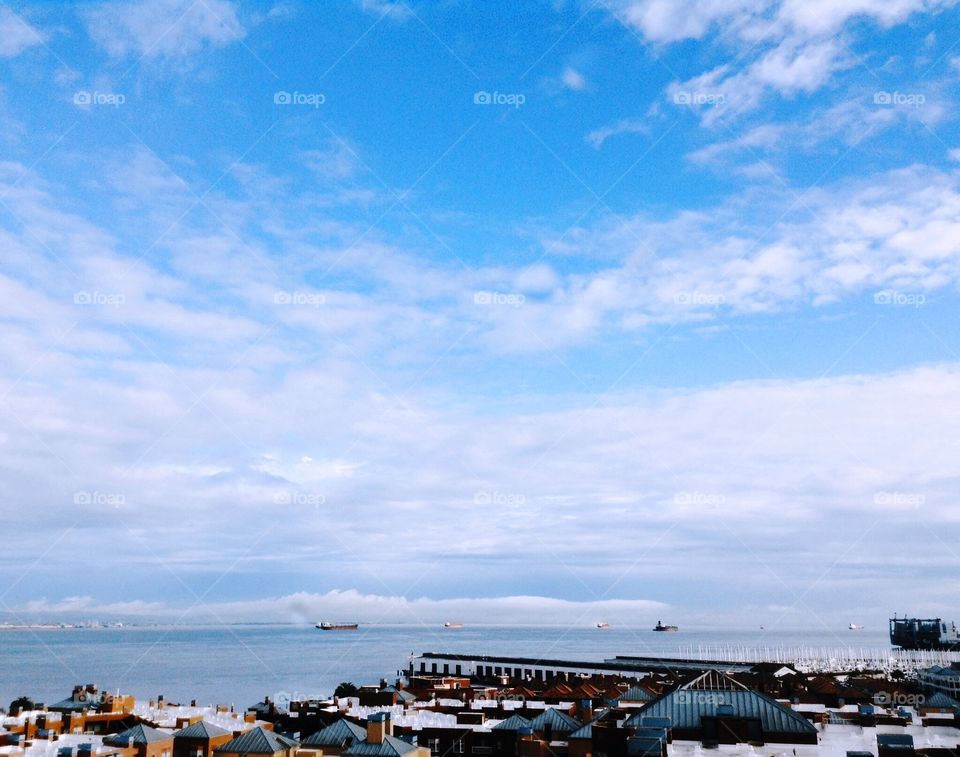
x=823 y=659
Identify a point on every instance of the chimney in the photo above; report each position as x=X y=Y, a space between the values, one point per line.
x=585 y=710
x=378 y=727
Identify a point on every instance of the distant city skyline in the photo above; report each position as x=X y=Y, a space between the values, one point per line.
x=559 y=310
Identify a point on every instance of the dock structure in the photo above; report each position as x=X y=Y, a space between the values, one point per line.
x=535 y=669
x=823 y=659
x=730 y=659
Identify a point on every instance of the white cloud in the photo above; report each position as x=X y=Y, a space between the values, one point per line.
x=333 y=443
x=897 y=230
x=394 y=9
x=336 y=160
x=671 y=21
x=163 y=29
x=849 y=121
x=573 y=79
x=597 y=137
x=365 y=608
x=16 y=35
x=786 y=46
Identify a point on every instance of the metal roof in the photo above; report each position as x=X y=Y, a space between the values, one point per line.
x=513 y=723
x=636 y=694
x=258 y=741
x=944 y=701
x=201 y=730
x=645 y=746
x=583 y=732
x=558 y=721
x=940 y=670
x=391 y=747
x=336 y=734
x=72 y=705
x=686 y=709
x=403 y=696
x=139 y=734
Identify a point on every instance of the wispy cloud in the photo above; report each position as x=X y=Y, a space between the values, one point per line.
x=16 y=35
x=163 y=29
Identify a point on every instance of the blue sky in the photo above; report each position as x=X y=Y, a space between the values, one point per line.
x=402 y=309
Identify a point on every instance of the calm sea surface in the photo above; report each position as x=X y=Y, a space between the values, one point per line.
x=240 y=664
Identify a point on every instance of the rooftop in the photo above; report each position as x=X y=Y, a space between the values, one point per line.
x=258 y=741
x=139 y=734
x=391 y=747
x=201 y=730
x=336 y=734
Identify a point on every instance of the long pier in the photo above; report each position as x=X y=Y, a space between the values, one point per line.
x=729 y=658
x=530 y=668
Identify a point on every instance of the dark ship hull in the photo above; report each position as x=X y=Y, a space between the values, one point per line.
x=924 y=633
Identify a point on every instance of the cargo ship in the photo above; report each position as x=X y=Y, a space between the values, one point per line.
x=338 y=626
x=924 y=633
x=662 y=628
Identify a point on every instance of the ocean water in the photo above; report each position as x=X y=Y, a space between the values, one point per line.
x=240 y=664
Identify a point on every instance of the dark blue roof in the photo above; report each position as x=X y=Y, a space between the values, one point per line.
x=636 y=694
x=686 y=709
x=558 y=721
x=258 y=741
x=895 y=740
x=139 y=734
x=403 y=696
x=201 y=730
x=645 y=746
x=513 y=723
x=72 y=705
x=336 y=734
x=583 y=732
x=391 y=747
x=941 y=700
